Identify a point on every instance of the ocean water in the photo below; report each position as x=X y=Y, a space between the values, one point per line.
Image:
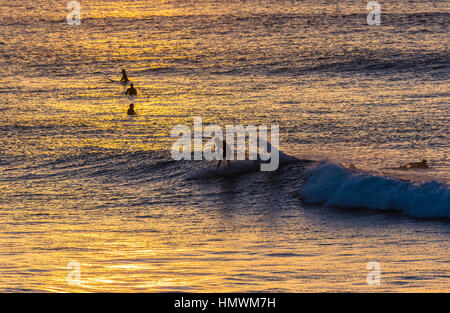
x=84 y=185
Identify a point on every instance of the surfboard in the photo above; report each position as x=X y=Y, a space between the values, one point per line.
x=117 y=82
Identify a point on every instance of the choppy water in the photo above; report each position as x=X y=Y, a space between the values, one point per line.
x=82 y=182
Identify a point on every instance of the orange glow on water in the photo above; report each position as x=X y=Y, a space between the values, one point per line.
x=123 y=228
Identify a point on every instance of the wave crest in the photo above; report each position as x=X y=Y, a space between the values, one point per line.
x=334 y=185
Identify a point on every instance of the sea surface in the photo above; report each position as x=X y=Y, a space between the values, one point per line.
x=85 y=189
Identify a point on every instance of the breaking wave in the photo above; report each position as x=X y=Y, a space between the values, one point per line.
x=335 y=185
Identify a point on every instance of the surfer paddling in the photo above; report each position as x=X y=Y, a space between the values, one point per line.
x=422 y=164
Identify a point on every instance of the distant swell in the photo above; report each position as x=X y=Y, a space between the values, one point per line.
x=334 y=185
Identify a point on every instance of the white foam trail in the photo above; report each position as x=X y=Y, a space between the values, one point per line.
x=334 y=185
x=282 y=156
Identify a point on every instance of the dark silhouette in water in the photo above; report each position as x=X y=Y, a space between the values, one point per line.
x=131 y=91
x=422 y=164
x=124 y=78
x=222 y=145
x=131 y=110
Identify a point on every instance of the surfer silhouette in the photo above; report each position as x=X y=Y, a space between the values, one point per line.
x=131 y=91
x=422 y=164
x=131 y=110
x=224 y=147
x=124 y=78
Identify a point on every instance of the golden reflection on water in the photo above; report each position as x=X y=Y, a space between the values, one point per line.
x=133 y=9
x=120 y=252
x=129 y=264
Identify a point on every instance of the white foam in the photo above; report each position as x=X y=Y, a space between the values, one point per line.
x=283 y=157
x=334 y=185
